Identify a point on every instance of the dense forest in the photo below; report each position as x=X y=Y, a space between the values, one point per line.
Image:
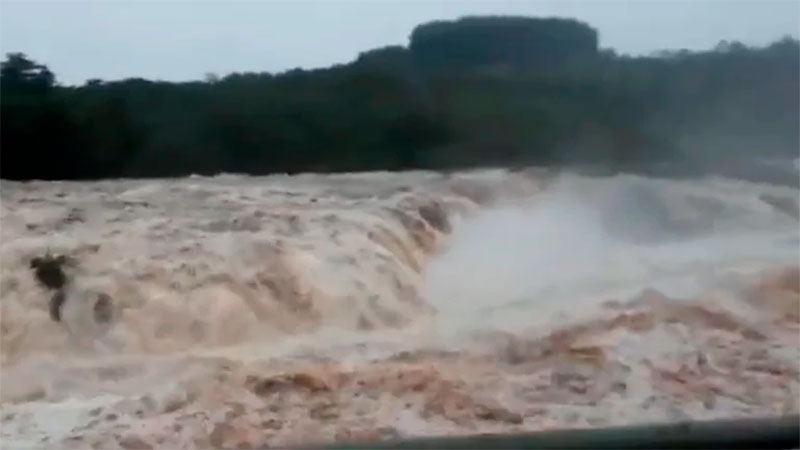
x=478 y=91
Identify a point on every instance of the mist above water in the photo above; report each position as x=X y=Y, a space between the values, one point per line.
x=587 y=240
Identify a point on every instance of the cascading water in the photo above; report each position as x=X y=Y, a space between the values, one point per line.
x=362 y=306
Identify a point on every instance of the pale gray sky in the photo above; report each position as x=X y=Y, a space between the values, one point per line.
x=183 y=39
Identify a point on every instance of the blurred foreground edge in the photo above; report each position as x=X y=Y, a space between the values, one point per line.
x=762 y=433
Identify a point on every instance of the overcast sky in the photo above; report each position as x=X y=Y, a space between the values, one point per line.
x=183 y=40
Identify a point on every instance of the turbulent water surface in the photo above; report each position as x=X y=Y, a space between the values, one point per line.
x=282 y=310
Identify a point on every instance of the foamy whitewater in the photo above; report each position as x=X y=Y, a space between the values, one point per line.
x=280 y=310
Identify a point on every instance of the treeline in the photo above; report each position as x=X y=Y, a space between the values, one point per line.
x=477 y=91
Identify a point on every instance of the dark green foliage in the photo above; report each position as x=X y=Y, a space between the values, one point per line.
x=518 y=43
x=38 y=137
x=499 y=91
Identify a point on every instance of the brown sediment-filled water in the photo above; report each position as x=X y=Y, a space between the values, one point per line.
x=292 y=309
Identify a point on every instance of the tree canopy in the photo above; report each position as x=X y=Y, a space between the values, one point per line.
x=472 y=92
x=517 y=43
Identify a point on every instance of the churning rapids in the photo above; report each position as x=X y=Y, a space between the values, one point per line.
x=252 y=311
